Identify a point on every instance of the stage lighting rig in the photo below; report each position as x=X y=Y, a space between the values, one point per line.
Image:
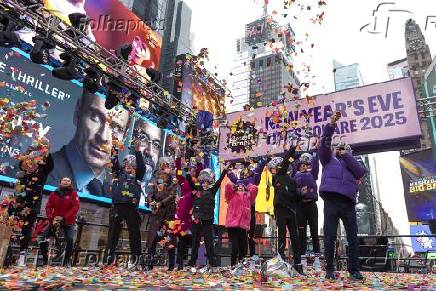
x=40 y=53
x=8 y=28
x=69 y=69
x=94 y=55
x=155 y=75
x=115 y=93
x=92 y=80
x=124 y=51
x=162 y=123
x=79 y=22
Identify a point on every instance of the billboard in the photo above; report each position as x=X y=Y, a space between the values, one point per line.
x=418 y=170
x=111 y=26
x=422 y=244
x=78 y=126
x=196 y=87
x=375 y=118
x=257 y=31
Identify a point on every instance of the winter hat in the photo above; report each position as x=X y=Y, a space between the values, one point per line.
x=206 y=175
x=305 y=159
x=130 y=160
x=166 y=160
x=275 y=162
x=344 y=146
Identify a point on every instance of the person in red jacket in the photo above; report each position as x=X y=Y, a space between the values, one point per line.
x=61 y=210
x=239 y=199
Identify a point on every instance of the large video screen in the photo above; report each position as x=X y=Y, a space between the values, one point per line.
x=196 y=87
x=77 y=125
x=419 y=178
x=422 y=244
x=111 y=26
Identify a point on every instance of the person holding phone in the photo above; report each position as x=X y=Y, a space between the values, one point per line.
x=339 y=186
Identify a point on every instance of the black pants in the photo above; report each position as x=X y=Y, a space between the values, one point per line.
x=333 y=211
x=287 y=218
x=182 y=246
x=26 y=230
x=238 y=239
x=128 y=213
x=252 y=231
x=307 y=214
x=68 y=236
x=203 y=228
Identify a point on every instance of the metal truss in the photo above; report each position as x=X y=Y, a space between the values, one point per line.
x=67 y=38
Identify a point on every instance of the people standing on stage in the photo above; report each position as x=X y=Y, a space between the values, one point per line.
x=29 y=190
x=307 y=214
x=126 y=193
x=239 y=199
x=203 y=215
x=184 y=210
x=250 y=175
x=339 y=186
x=162 y=201
x=61 y=211
x=286 y=199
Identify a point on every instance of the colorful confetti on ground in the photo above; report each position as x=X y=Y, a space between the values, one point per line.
x=111 y=278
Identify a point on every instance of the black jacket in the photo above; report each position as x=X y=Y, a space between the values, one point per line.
x=203 y=204
x=34 y=183
x=124 y=187
x=286 y=195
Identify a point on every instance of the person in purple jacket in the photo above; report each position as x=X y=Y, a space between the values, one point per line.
x=339 y=186
x=307 y=214
x=250 y=175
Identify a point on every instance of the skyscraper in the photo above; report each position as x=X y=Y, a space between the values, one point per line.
x=269 y=75
x=152 y=12
x=176 y=39
x=240 y=76
x=346 y=77
x=398 y=69
x=418 y=58
x=263 y=64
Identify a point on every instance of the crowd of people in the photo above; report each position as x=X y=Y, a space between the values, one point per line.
x=181 y=198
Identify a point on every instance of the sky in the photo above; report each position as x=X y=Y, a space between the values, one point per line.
x=217 y=24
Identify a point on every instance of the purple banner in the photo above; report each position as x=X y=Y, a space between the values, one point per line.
x=378 y=114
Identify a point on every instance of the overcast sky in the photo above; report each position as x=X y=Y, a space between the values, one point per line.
x=218 y=23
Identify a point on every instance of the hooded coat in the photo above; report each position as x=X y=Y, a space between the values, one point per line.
x=340 y=174
x=239 y=206
x=308 y=179
x=63 y=203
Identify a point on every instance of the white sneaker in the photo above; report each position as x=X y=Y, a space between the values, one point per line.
x=205 y=270
x=131 y=266
x=22 y=260
x=317 y=265
x=304 y=263
x=193 y=270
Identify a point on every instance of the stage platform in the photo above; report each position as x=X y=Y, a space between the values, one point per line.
x=113 y=278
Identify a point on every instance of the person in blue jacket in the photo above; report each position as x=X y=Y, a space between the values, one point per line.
x=339 y=186
x=126 y=193
x=307 y=214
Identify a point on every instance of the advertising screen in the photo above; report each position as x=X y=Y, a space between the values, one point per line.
x=376 y=117
x=422 y=244
x=196 y=87
x=111 y=26
x=77 y=126
x=419 y=179
x=257 y=31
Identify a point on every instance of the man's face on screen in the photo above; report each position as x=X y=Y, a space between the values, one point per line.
x=150 y=141
x=95 y=127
